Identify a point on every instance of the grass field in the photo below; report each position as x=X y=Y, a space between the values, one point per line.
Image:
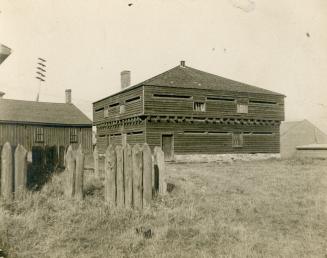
x=244 y=209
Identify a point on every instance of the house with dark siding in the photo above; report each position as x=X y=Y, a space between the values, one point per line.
x=188 y=111
x=32 y=123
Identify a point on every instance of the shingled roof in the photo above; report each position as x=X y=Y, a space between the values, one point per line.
x=32 y=112
x=187 y=77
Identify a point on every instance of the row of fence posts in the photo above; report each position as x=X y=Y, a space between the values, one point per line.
x=13 y=172
x=133 y=176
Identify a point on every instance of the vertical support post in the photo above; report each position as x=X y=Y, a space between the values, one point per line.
x=70 y=172
x=120 y=176
x=79 y=173
x=128 y=173
x=160 y=163
x=137 y=176
x=96 y=161
x=7 y=172
x=110 y=175
x=20 y=171
x=147 y=176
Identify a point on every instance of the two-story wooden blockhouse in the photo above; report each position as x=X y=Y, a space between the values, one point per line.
x=188 y=111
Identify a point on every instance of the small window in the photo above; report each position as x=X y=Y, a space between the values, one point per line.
x=171 y=96
x=113 y=105
x=73 y=135
x=122 y=109
x=199 y=106
x=221 y=98
x=99 y=109
x=242 y=108
x=133 y=99
x=106 y=113
x=237 y=140
x=39 y=134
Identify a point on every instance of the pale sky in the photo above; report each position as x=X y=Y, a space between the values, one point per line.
x=278 y=45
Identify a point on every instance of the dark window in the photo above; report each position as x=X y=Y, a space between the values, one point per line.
x=222 y=133
x=113 y=105
x=199 y=106
x=99 y=109
x=135 y=133
x=194 y=132
x=221 y=98
x=73 y=135
x=262 y=133
x=237 y=140
x=133 y=99
x=263 y=102
x=39 y=134
x=171 y=96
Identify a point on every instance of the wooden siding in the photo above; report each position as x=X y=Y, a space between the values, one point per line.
x=131 y=108
x=106 y=135
x=204 y=138
x=214 y=108
x=53 y=135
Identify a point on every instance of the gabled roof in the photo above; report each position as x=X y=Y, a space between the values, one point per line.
x=288 y=126
x=32 y=112
x=188 y=77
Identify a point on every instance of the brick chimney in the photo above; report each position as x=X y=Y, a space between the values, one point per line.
x=182 y=63
x=68 y=93
x=2 y=94
x=125 y=79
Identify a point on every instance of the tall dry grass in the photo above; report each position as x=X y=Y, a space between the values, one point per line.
x=244 y=209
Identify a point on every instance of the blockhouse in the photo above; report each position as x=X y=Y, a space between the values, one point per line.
x=188 y=111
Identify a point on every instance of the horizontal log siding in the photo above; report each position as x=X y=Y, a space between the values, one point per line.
x=131 y=139
x=131 y=108
x=53 y=135
x=214 y=108
x=213 y=143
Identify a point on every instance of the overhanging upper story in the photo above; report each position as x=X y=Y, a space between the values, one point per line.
x=187 y=92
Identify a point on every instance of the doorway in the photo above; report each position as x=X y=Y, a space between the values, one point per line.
x=167 y=145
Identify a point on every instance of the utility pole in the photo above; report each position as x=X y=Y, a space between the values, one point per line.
x=40 y=74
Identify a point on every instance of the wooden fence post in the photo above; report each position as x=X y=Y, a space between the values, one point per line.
x=70 y=172
x=96 y=161
x=79 y=173
x=110 y=175
x=147 y=175
x=160 y=163
x=128 y=173
x=120 y=176
x=20 y=171
x=7 y=172
x=137 y=176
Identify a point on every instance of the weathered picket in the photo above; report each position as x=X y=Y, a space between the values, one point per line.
x=96 y=161
x=129 y=174
x=20 y=171
x=132 y=174
x=7 y=173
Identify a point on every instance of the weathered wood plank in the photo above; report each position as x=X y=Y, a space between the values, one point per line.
x=128 y=173
x=137 y=158
x=147 y=176
x=120 y=176
x=160 y=163
x=79 y=173
x=110 y=175
x=20 y=171
x=96 y=162
x=7 y=172
x=70 y=173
